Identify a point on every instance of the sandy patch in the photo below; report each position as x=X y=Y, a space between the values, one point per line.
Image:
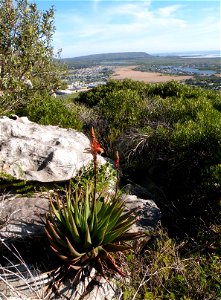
x=128 y=73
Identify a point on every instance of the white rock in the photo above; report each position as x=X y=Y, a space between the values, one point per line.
x=30 y=151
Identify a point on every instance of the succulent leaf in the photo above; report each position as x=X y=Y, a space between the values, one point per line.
x=53 y=233
x=55 y=211
x=72 y=250
x=116 y=247
x=88 y=242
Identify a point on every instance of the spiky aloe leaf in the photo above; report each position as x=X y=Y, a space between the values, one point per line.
x=111 y=264
x=76 y=268
x=54 y=234
x=114 y=218
x=94 y=225
x=91 y=220
x=101 y=232
x=72 y=250
x=75 y=231
x=111 y=236
x=125 y=226
x=110 y=220
x=87 y=243
x=63 y=257
x=102 y=223
x=75 y=209
x=73 y=228
x=110 y=212
x=86 y=206
x=130 y=236
x=99 y=204
x=116 y=247
x=126 y=217
x=54 y=244
x=55 y=211
x=66 y=223
x=107 y=208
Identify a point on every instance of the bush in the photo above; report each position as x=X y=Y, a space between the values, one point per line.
x=100 y=93
x=51 y=111
x=168 y=135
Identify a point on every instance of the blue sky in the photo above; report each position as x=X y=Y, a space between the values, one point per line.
x=158 y=26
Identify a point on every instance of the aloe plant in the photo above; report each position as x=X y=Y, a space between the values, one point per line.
x=81 y=234
x=89 y=226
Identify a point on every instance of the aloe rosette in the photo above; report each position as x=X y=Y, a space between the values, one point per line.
x=84 y=231
x=89 y=226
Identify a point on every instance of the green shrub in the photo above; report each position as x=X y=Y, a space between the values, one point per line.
x=167 y=134
x=51 y=111
x=94 y=97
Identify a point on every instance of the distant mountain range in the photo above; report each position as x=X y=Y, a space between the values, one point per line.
x=106 y=59
x=135 y=58
x=110 y=56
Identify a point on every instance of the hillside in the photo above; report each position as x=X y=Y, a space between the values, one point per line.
x=107 y=58
x=111 y=56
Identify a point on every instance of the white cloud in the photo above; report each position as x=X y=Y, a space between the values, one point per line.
x=133 y=26
x=168 y=11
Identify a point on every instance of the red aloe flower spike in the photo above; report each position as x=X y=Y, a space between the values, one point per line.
x=95 y=146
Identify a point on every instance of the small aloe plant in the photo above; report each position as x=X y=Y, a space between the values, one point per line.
x=88 y=227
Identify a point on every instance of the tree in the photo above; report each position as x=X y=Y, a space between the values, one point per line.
x=28 y=67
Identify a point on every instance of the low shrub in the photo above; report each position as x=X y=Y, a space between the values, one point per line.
x=51 y=111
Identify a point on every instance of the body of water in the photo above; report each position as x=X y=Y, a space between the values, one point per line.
x=188 y=70
x=193 y=54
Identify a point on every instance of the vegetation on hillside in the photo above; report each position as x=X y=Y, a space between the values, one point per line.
x=168 y=136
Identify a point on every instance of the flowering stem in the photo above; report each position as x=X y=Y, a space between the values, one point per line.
x=95 y=181
x=95 y=148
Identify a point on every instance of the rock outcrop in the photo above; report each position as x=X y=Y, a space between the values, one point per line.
x=30 y=151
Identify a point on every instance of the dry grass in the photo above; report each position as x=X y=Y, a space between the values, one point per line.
x=20 y=280
x=148 y=77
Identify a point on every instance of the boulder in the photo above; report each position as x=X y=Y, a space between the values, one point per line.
x=21 y=217
x=147 y=213
x=29 y=151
